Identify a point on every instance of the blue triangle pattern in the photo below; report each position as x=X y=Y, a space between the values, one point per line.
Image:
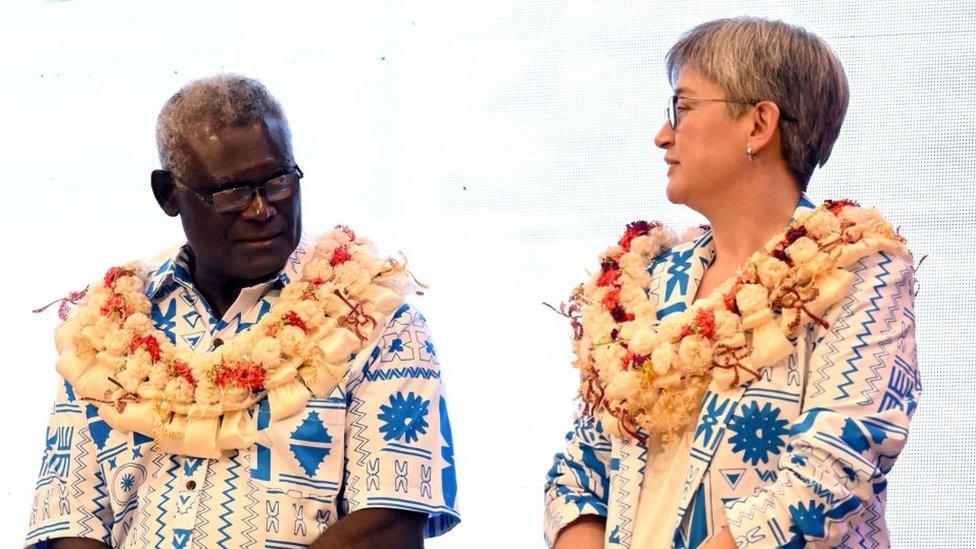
x=732 y=476
x=309 y=457
x=312 y=430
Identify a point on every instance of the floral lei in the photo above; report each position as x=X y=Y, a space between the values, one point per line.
x=637 y=374
x=194 y=403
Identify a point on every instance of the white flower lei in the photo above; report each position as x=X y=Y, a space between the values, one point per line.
x=636 y=373
x=195 y=403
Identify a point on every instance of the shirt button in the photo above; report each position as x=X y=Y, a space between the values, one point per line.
x=192 y=485
x=217 y=342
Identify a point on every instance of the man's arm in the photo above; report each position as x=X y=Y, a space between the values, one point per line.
x=375 y=529
x=70 y=502
x=399 y=448
x=862 y=388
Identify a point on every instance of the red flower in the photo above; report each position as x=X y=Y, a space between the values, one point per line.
x=182 y=369
x=115 y=304
x=291 y=318
x=620 y=315
x=729 y=298
x=635 y=229
x=612 y=298
x=794 y=234
x=318 y=281
x=705 y=320
x=149 y=343
x=114 y=274
x=339 y=256
x=835 y=206
x=251 y=376
x=608 y=277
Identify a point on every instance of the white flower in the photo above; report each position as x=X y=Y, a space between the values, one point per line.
x=802 y=249
x=290 y=338
x=672 y=326
x=772 y=271
x=623 y=386
x=233 y=394
x=310 y=312
x=128 y=283
x=206 y=392
x=751 y=298
x=267 y=351
x=822 y=225
x=117 y=341
x=726 y=325
x=139 y=323
x=695 y=353
x=631 y=296
x=158 y=376
x=179 y=390
x=351 y=275
x=662 y=359
x=290 y=294
x=642 y=341
x=318 y=269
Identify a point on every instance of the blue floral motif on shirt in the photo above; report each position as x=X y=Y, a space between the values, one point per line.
x=404 y=417
x=758 y=432
x=127 y=482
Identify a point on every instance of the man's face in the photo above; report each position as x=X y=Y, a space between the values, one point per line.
x=251 y=244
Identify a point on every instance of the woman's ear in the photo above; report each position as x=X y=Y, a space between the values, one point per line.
x=765 y=123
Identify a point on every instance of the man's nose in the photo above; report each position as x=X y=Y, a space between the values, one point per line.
x=259 y=208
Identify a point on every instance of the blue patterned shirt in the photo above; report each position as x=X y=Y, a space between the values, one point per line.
x=381 y=439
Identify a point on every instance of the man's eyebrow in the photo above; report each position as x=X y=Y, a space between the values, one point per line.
x=681 y=90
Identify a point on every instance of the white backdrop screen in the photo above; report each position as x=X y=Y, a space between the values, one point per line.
x=501 y=145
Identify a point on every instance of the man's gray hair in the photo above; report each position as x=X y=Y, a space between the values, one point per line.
x=226 y=100
x=756 y=60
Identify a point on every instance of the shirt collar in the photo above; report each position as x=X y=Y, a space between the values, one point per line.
x=176 y=269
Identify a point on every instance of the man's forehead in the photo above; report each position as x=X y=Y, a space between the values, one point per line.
x=228 y=152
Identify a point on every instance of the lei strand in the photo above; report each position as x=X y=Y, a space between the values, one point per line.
x=641 y=377
x=195 y=402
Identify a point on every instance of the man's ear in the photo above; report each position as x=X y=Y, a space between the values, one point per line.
x=164 y=189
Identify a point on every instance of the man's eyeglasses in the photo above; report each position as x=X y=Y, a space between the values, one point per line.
x=276 y=188
x=672 y=110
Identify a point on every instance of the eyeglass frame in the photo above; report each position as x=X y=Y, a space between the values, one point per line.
x=208 y=197
x=671 y=113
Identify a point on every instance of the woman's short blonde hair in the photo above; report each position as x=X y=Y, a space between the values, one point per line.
x=754 y=60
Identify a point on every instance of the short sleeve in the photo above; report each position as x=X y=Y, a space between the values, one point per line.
x=70 y=499
x=399 y=449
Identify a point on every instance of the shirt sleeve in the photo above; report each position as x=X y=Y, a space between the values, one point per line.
x=70 y=499
x=399 y=449
x=861 y=390
x=578 y=482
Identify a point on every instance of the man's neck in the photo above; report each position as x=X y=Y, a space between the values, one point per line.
x=219 y=291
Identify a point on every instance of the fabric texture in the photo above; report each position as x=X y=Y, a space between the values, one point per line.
x=796 y=458
x=382 y=438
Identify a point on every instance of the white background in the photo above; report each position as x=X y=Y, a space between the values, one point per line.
x=501 y=145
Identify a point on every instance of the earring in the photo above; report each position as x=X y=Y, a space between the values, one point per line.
x=750 y=154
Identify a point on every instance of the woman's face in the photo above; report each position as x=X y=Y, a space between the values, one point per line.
x=707 y=149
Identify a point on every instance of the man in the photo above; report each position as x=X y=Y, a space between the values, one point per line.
x=370 y=464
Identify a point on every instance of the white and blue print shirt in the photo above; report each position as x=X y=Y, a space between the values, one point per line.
x=798 y=457
x=381 y=439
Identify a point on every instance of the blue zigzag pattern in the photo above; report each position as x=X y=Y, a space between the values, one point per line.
x=250 y=522
x=164 y=499
x=355 y=410
x=157 y=466
x=625 y=532
x=77 y=491
x=889 y=321
x=203 y=510
x=838 y=329
x=228 y=499
x=409 y=372
x=865 y=327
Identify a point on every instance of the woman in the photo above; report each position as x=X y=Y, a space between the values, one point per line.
x=759 y=388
